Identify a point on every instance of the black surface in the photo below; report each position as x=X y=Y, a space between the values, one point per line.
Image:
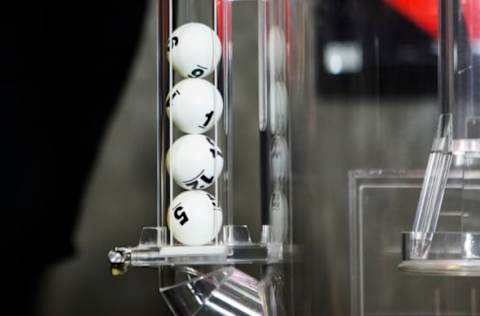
x=63 y=65
x=398 y=57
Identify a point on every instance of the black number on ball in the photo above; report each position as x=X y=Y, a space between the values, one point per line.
x=197 y=72
x=172 y=43
x=209 y=118
x=207 y=179
x=212 y=199
x=174 y=94
x=212 y=149
x=179 y=214
x=195 y=184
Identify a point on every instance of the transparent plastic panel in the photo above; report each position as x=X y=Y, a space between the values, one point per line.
x=433 y=189
x=465 y=30
x=470 y=167
x=194 y=169
x=198 y=238
x=189 y=166
x=382 y=203
x=198 y=98
x=277 y=292
x=457 y=138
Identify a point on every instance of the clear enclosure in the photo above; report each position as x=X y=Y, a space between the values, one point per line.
x=382 y=203
x=186 y=173
x=455 y=150
x=374 y=117
x=196 y=231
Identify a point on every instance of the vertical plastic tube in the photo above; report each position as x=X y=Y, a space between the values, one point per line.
x=440 y=159
x=467 y=109
x=274 y=127
x=224 y=26
x=163 y=86
x=188 y=72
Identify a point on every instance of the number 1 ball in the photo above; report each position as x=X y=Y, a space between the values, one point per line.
x=194 y=218
x=195 y=105
x=194 y=50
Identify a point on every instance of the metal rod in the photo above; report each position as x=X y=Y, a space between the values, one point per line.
x=446 y=65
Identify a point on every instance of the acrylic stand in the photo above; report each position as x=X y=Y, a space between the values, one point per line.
x=190 y=278
x=382 y=206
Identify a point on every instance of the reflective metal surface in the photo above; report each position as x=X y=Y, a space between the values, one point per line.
x=451 y=253
x=226 y=291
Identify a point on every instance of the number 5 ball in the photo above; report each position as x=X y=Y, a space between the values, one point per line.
x=195 y=105
x=194 y=162
x=194 y=50
x=194 y=218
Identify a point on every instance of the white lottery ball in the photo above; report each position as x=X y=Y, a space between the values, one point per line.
x=279 y=160
x=278 y=108
x=194 y=218
x=194 y=50
x=276 y=50
x=195 y=105
x=194 y=162
x=278 y=216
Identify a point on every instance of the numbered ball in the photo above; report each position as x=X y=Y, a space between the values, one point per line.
x=278 y=108
x=194 y=218
x=194 y=162
x=195 y=105
x=278 y=216
x=279 y=160
x=276 y=50
x=194 y=50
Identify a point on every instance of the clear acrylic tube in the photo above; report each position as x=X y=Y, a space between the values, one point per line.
x=193 y=148
x=276 y=78
x=195 y=56
x=279 y=74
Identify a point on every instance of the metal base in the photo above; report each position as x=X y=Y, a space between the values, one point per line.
x=466 y=267
x=442 y=253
